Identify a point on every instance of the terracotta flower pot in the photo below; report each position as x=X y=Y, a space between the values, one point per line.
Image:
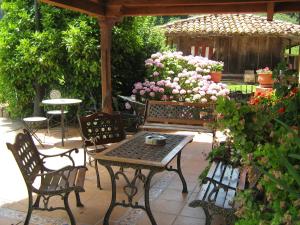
x=265 y=80
x=216 y=76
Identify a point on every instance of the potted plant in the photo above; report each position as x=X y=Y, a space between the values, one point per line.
x=216 y=71
x=265 y=79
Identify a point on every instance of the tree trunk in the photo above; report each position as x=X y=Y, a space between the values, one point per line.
x=39 y=94
x=39 y=89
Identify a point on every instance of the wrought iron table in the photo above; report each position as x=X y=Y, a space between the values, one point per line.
x=134 y=153
x=62 y=102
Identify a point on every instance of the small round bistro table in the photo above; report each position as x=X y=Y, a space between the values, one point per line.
x=62 y=102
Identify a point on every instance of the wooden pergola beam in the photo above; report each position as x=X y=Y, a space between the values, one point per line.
x=87 y=7
x=189 y=2
x=174 y=7
x=176 y=10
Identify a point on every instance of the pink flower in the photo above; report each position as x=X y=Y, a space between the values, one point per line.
x=175 y=91
x=203 y=100
x=161 y=90
x=127 y=105
x=155 y=74
x=160 y=83
x=164 y=97
x=213 y=98
x=134 y=91
x=152 y=94
x=202 y=93
x=142 y=92
x=182 y=92
x=155 y=89
x=138 y=85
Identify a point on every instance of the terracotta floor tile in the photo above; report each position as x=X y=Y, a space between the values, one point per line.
x=193 y=212
x=177 y=185
x=183 y=220
x=160 y=218
x=7 y=221
x=168 y=203
x=174 y=195
x=167 y=206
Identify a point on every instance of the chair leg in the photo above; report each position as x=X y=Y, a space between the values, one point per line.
x=98 y=176
x=30 y=208
x=90 y=161
x=67 y=207
x=78 y=201
x=37 y=202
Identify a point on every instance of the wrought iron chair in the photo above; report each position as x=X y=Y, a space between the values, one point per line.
x=51 y=114
x=51 y=182
x=97 y=130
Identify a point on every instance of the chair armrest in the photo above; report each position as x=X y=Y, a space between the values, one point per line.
x=64 y=154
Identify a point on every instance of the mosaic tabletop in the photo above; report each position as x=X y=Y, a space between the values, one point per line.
x=136 y=148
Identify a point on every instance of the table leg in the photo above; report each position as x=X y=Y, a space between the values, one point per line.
x=179 y=172
x=147 y=202
x=113 y=195
x=130 y=189
x=62 y=120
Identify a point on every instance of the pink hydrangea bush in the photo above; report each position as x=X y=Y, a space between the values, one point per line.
x=174 y=77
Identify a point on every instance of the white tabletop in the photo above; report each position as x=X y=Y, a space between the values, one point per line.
x=61 y=101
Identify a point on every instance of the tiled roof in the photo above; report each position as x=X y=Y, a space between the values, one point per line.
x=231 y=24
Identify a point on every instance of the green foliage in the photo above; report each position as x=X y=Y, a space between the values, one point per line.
x=288 y=17
x=133 y=41
x=166 y=19
x=266 y=136
x=65 y=54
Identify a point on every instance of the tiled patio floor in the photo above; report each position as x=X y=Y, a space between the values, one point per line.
x=168 y=204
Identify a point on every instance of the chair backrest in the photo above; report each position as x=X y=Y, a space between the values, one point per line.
x=54 y=94
x=26 y=156
x=101 y=128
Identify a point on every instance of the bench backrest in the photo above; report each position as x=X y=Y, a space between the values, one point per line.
x=179 y=112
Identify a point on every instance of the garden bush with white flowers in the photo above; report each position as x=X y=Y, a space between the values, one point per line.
x=174 y=77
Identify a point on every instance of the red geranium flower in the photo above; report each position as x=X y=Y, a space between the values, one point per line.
x=281 y=110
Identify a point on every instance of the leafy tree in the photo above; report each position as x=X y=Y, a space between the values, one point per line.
x=165 y=19
x=133 y=41
x=64 y=54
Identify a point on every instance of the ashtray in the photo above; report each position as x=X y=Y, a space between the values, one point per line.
x=155 y=140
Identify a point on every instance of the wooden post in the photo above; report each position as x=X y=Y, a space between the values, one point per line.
x=299 y=68
x=106 y=24
x=270 y=11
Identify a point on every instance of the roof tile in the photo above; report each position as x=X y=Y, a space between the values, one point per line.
x=227 y=24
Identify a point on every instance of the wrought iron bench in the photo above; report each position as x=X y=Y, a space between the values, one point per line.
x=162 y=115
x=219 y=188
x=46 y=183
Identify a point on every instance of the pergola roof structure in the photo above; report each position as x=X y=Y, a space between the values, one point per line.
x=175 y=7
x=110 y=11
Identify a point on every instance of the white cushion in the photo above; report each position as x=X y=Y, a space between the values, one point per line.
x=56 y=112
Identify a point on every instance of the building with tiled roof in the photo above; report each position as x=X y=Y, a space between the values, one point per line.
x=241 y=41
